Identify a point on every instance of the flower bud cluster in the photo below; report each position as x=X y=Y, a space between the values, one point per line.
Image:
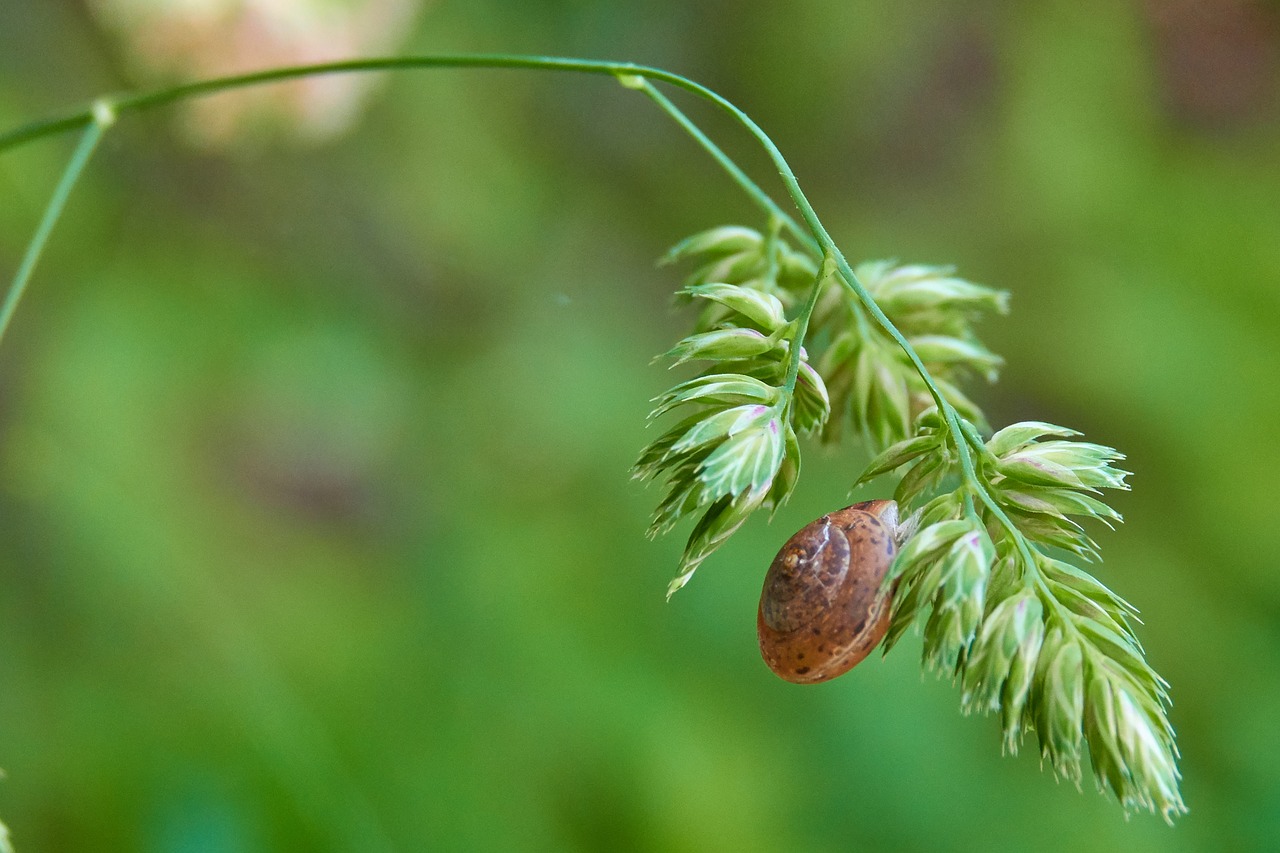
x=737 y=450
x=945 y=566
x=875 y=390
x=1027 y=634
x=1042 y=484
x=733 y=254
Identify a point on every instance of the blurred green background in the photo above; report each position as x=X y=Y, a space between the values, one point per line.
x=315 y=525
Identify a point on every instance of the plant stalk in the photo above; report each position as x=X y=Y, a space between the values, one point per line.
x=100 y=119
x=634 y=76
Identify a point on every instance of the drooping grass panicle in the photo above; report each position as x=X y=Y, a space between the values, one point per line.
x=1027 y=632
x=989 y=574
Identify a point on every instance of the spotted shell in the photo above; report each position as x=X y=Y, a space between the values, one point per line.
x=822 y=609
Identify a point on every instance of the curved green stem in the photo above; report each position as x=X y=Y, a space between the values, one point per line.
x=750 y=187
x=632 y=75
x=187 y=91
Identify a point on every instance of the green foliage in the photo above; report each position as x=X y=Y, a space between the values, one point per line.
x=1027 y=635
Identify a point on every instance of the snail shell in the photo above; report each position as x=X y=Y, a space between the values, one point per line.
x=822 y=609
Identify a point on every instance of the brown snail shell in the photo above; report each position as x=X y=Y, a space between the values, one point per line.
x=822 y=609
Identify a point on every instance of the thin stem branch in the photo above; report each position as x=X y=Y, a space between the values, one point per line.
x=750 y=187
x=101 y=119
x=802 y=325
x=772 y=248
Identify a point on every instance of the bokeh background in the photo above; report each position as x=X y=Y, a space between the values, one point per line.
x=315 y=525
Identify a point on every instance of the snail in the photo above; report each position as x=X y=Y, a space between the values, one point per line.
x=822 y=609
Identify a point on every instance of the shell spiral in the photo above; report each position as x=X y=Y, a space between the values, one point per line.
x=822 y=609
